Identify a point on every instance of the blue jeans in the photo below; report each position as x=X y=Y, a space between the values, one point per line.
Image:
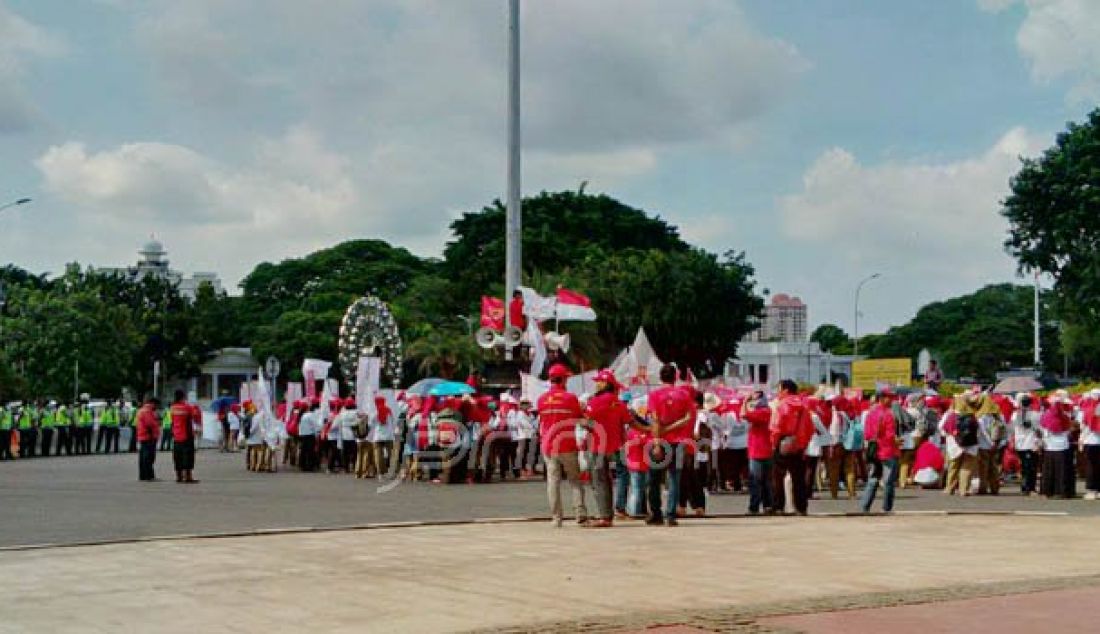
x=667 y=468
x=639 y=480
x=622 y=483
x=760 y=484
x=887 y=470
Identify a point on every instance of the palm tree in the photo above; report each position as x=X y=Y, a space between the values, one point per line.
x=444 y=353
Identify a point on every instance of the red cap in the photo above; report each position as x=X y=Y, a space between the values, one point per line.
x=349 y=402
x=606 y=376
x=559 y=371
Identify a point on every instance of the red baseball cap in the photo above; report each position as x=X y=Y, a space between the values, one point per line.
x=559 y=371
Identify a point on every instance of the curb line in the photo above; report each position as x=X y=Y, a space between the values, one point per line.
x=301 y=530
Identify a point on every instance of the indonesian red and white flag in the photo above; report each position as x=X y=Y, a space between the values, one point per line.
x=573 y=306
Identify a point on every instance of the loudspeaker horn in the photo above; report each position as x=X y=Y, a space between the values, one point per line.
x=512 y=337
x=487 y=338
x=557 y=341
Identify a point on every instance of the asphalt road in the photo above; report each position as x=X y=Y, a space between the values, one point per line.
x=94 y=498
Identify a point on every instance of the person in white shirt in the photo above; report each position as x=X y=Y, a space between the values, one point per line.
x=1090 y=443
x=991 y=439
x=962 y=443
x=1026 y=442
x=381 y=436
x=523 y=426
x=308 y=426
x=255 y=440
x=234 y=428
x=821 y=442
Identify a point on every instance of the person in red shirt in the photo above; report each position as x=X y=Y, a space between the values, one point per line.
x=791 y=428
x=671 y=411
x=515 y=311
x=880 y=434
x=186 y=421
x=147 y=429
x=559 y=413
x=758 y=415
x=607 y=418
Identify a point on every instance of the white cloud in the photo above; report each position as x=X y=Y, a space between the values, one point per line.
x=20 y=41
x=600 y=77
x=932 y=218
x=932 y=228
x=1061 y=40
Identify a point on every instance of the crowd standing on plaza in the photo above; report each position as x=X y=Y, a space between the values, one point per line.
x=655 y=457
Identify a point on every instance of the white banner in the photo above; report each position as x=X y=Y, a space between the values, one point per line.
x=536 y=306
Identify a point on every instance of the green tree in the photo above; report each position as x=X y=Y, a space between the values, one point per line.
x=560 y=230
x=1054 y=226
x=48 y=333
x=444 y=353
x=831 y=338
x=972 y=335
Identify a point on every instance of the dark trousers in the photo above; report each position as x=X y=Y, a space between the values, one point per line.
x=133 y=439
x=795 y=466
x=1029 y=463
x=1092 y=468
x=348 y=455
x=47 y=441
x=5 y=444
x=166 y=440
x=146 y=457
x=65 y=440
x=28 y=441
x=108 y=437
x=732 y=467
x=693 y=484
x=307 y=453
x=811 y=474
x=84 y=440
x=760 y=485
x=1056 y=464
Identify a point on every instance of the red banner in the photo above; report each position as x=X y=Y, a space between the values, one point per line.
x=492 y=313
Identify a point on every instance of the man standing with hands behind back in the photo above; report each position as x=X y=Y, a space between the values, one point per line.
x=186 y=420
x=147 y=429
x=671 y=411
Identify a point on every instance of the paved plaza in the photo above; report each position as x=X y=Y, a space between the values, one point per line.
x=98 y=498
x=820 y=574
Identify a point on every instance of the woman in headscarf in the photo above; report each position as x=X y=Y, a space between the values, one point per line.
x=991 y=439
x=1057 y=424
x=960 y=428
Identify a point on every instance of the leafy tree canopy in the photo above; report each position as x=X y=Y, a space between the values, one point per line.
x=972 y=335
x=1054 y=224
x=831 y=338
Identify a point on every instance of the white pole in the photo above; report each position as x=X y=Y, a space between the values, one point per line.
x=1037 y=348
x=513 y=226
x=855 y=324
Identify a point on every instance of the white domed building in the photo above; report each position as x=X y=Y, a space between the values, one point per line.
x=154 y=262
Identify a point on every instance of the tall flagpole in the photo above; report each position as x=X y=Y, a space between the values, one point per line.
x=513 y=226
x=1037 y=348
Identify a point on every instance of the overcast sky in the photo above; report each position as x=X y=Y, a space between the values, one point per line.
x=829 y=140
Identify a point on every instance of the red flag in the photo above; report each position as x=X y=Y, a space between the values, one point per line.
x=492 y=313
x=572 y=306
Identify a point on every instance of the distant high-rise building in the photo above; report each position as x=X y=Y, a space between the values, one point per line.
x=784 y=321
x=154 y=262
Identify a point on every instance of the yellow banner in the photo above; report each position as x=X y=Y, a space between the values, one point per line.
x=868 y=374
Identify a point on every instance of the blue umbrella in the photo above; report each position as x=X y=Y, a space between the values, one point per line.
x=451 y=388
x=423 y=387
x=222 y=401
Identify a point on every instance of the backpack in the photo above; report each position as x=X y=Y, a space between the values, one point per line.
x=803 y=426
x=966 y=430
x=905 y=421
x=853 y=435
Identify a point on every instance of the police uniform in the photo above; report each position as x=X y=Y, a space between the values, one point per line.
x=28 y=434
x=108 y=430
x=7 y=422
x=45 y=429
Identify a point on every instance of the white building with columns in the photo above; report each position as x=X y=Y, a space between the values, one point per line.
x=767 y=363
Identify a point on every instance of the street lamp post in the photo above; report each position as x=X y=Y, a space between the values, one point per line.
x=21 y=201
x=855 y=328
